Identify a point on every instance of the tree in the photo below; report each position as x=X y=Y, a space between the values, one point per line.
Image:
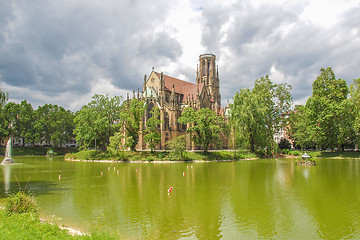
x=115 y=147
x=258 y=114
x=54 y=124
x=247 y=120
x=298 y=127
x=205 y=126
x=152 y=133
x=284 y=144
x=178 y=145
x=9 y=119
x=277 y=101
x=326 y=110
x=354 y=100
x=3 y=127
x=97 y=121
x=25 y=122
x=131 y=114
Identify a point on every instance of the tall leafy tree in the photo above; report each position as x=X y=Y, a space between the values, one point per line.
x=354 y=101
x=3 y=127
x=298 y=127
x=54 y=124
x=277 y=100
x=205 y=126
x=131 y=114
x=152 y=131
x=248 y=120
x=9 y=119
x=25 y=122
x=327 y=110
x=97 y=121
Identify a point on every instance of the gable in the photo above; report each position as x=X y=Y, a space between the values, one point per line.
x=153 y=81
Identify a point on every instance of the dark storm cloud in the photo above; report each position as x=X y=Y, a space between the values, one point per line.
x=274 y=36
x=64 y=46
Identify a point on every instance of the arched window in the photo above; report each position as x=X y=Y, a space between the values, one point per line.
x=150 y=106
x=166 y=121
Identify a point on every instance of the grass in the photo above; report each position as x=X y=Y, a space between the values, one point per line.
x=20 y=220
x=161 y=156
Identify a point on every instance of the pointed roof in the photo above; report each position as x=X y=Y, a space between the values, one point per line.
x=181 y=87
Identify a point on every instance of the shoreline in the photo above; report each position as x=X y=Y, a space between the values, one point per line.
x=167 y=161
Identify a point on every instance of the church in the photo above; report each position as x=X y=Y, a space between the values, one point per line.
x=172 y=95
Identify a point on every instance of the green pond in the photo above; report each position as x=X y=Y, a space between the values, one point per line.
x=261 y=199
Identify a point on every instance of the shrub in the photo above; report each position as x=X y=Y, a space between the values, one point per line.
x=161 y=155
x=20 y=202
x=295 y=153
x=149 y=159
x=284 y=144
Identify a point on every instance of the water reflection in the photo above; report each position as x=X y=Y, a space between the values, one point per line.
x=7 y=174
x=273 y=199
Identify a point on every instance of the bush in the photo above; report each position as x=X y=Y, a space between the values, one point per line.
x=284 y=144
x=149 y=159
x=20 y=202
x=295 y=153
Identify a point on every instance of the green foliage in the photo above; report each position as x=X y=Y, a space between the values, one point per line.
x=131 y=114
x=277 y=101
x=354 y=104
x=152 y=131
x=115 y=147
x=97 y=121
x=17 y=120
x=298 y=127
x=20 y=202
x=327 y=111
x=28 y=226
x=205 y=126
x=284 y=144
x=53 y=124
x=247 y=119
x=256 y=115
x=178 y=145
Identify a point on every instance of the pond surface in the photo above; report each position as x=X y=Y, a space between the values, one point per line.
x=262 y=199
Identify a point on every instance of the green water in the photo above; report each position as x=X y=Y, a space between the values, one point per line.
x=264 y=199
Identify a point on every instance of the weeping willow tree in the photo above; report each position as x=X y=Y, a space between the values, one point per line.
x=258 y=114
x=247 y=120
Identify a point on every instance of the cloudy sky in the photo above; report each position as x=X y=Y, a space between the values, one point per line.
x=63 y=52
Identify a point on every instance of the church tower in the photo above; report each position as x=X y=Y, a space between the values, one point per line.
x=208 y=76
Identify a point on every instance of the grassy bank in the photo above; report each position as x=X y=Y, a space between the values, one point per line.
x=37 y=151
x=19 y=220
x=198 y=155
x=161 y=156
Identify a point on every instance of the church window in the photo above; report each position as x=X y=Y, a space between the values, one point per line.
x=204 y=67
x=166 y=121
x=208 y=68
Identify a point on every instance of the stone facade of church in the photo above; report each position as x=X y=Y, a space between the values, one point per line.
x=172 y=95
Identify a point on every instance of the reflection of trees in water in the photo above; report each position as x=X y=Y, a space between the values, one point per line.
x=330 y=195
x=260 y=203
x=15 y=181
